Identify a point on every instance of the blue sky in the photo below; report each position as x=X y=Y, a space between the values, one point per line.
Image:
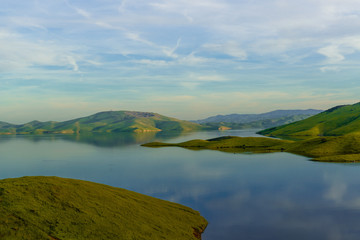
x=62 y=59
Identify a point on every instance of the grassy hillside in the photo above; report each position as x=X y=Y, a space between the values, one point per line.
x=336 y=121
x=57 y=208
x=111 y=121
x=329 y=149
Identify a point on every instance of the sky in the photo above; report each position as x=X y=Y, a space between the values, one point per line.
x=63 y=59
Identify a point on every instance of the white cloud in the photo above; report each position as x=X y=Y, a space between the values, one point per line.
x=73 y=63
x=136 y=37
x=332 y=52
x=159 y=63
x=329 y=69
x=19 y=53
x=79 y=11
x=192 y=59
x=208 y=78
x=170 y=52
x=83 y=13
x=122 y=6
x=28 y=22
x=339 y=48
x=188 y=7
x=193 y=81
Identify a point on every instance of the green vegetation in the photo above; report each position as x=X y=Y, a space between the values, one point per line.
x=57 y=208
x=336 y=121
x=104 y=122
x=328 y=149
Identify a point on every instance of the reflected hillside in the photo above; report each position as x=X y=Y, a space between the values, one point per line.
x=120 y=139
x=107 y=140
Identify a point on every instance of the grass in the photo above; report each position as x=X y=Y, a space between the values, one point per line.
x=58 y=208
x=337 y=148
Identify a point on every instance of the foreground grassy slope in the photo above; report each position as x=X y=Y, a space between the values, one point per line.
x=111 y=121
x=58 y=208
x=336 y=121
x=329 y=149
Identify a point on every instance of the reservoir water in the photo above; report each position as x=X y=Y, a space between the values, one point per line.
x=243 y=196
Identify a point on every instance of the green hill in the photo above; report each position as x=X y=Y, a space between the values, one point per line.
x=336 y=121
x=104 y=122
x=57 y=208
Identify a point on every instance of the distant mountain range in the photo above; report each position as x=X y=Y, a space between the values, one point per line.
x=132 y=121
x=336 y=121
x=263 y=120
x=104 y=122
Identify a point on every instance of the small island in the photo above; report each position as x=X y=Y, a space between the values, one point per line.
x=58 y=208
x=325 y=149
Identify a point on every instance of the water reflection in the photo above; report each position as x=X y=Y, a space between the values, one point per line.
x=109 y=140
x=244 y=196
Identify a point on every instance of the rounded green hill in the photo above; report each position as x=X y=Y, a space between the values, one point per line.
x=57 y=208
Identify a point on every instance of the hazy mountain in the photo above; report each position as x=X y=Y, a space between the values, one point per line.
x=264 y=120
x=336 y=121
x=111 y=121
x=246 y=118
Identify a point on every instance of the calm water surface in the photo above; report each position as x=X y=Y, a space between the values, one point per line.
x=243 y=196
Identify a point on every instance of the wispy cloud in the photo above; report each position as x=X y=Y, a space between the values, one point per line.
x=81 y=12
x=329 y=69
x=332 y=53
x=170 y=52
x=18 y=53
x=73 y=63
